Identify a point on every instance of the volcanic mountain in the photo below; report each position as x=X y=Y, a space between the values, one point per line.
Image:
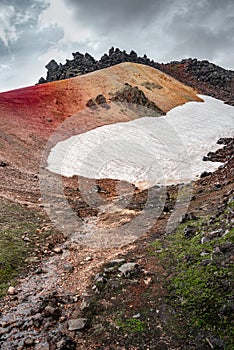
x=29 y=116
x=116 y=207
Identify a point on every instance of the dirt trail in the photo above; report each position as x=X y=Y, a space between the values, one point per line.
x=66 y=273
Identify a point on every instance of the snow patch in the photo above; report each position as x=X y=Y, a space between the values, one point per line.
x=148 y=151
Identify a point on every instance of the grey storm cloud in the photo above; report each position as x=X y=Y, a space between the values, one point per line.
x=135 y=12
x=22 y=41
x=111 y=13
x=163 y=29
x=19 y=33
x=204 y=29
x=167 y=29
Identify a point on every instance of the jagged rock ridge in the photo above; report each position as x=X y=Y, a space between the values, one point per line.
x=85 y=63
x=206 y=77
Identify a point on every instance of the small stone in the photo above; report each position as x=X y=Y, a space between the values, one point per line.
x=100 y=100
x=205 y=174
x=39 y=271
x=58 y=250
x=26 y=239
x=11 y=291
x=116 y=262
x=204 y=253
x=216 y=251
x=225 y=233
x=205 y=262
x=37 y=320
x=77 y=324
x=99 y=278
x=205 y=239
x=89 y=258
x=189 y=231
x=68 y=267
x=147 y=281
x=91 y=104
x=72 y=247
x=225 y=247
x=75 y=298
x=62 y=319
x=51 y=311
x=3 y=164
x=217 y=186
x=29 y=342
x=128 y=268
x=215 y=233
x=84 y=304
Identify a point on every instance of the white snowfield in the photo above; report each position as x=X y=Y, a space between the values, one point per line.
x=148 y=151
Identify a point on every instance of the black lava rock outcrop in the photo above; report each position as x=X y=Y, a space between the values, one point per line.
x=132 y=97
x=100 y=100
x=222 y=154
x=206 y=77
x=85 y=63
x=135 y=96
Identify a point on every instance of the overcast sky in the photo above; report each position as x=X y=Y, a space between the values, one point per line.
x=32 y=32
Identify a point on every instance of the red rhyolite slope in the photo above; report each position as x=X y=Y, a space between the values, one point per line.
x=29 y=116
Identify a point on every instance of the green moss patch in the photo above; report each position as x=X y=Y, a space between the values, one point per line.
x=21 y=241
x=201 y=274
x=131 y=325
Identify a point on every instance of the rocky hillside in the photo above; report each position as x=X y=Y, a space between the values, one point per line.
x=207 y=77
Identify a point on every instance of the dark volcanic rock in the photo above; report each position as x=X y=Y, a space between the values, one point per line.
x=101 y=100
x=3 y=164
x=82 y=64
x=204 y=174
x=206 y=77
x=133 y=95
x=190 y=231
x=222 y=154
x=91 y=104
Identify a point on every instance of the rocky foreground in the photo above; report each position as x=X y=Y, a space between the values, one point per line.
x=161 y=292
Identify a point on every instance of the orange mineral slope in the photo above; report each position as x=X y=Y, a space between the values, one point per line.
x=40 y=108
x=30 y=115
